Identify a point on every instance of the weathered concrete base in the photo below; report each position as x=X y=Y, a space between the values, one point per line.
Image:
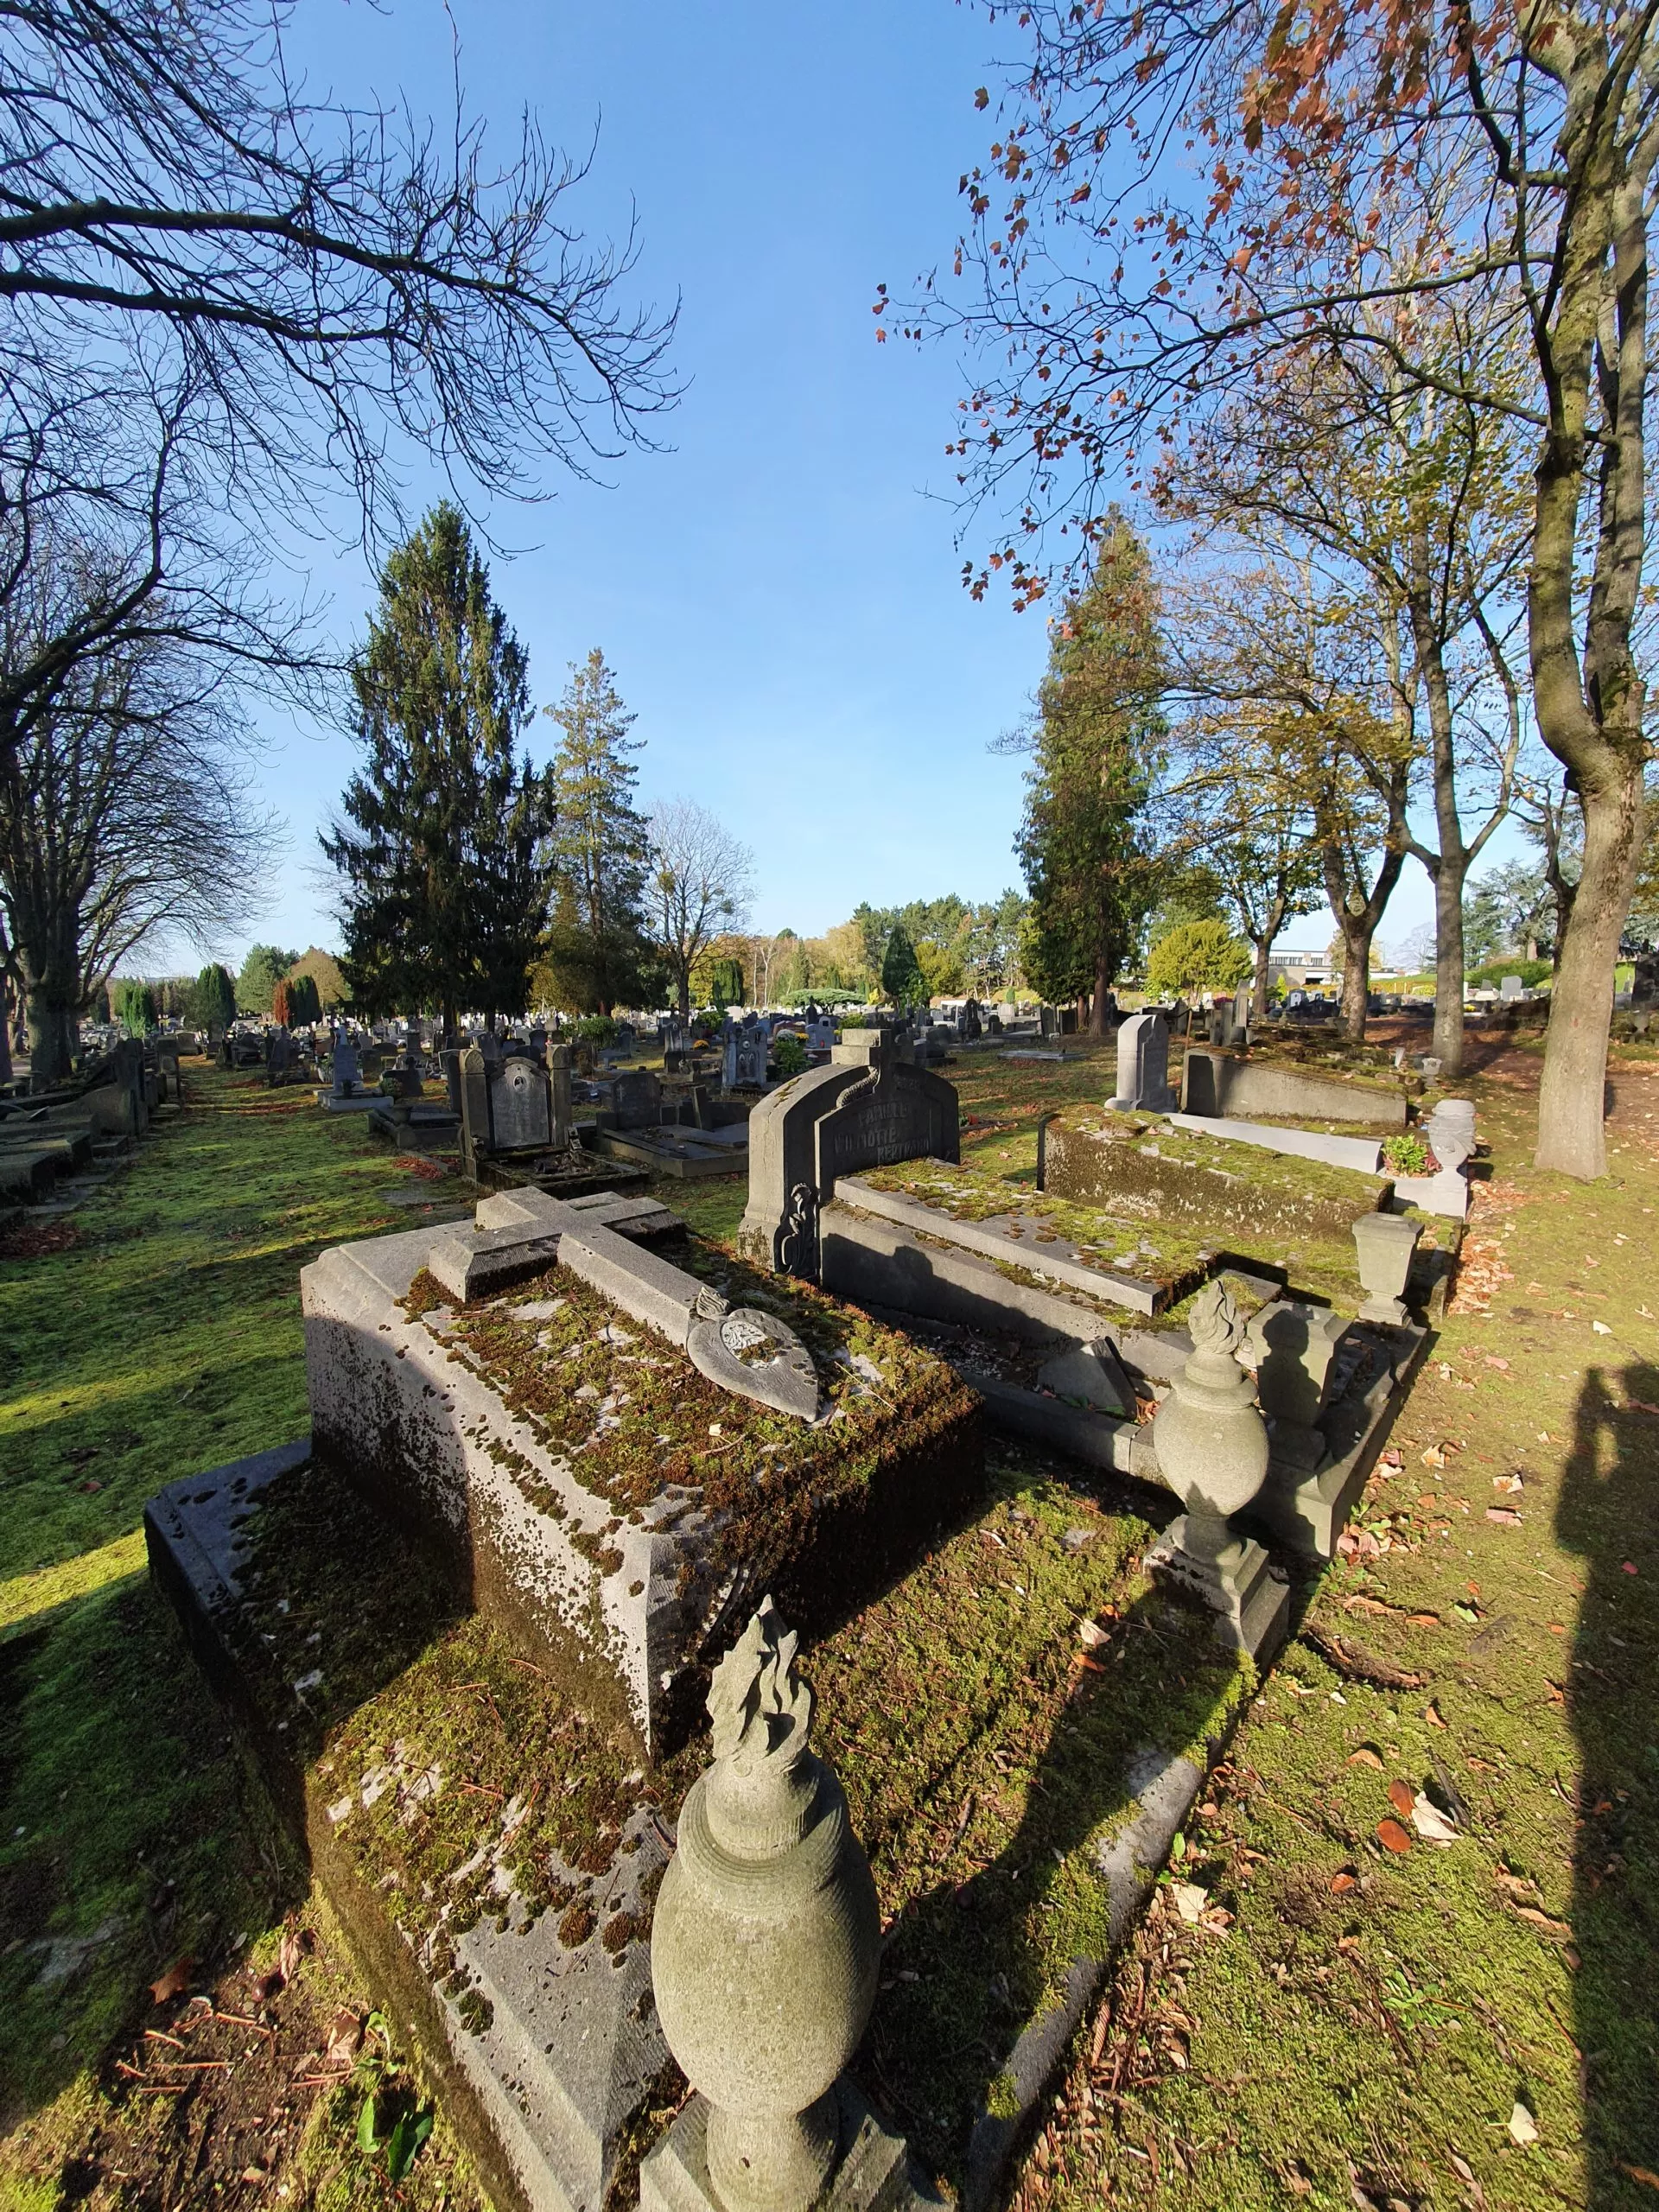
x=1363 y=1154
x=1251 y=1605
x=872 y=2175
x=877 y=1262
x=544 y=2092
x=1012 y=1239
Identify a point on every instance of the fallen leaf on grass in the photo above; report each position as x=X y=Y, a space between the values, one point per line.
x=1505 y=1515
x=1641 y=1406
x=1341 y=1884
x=1393 y=1837
x=1431 y=1714
x=174 y=1982
x=1523 y=2128
x=345 y=2033
x=1365 y=1757
x=1357 y=1663
x=1466 y=2174
x=1400 y=1796
x=1091 y=1636
x=1190 y=1901
x=1648 y=2179
x=1503 y=1365
x=1430 y=1822
x=1557 y=1928
x=1433 y=1457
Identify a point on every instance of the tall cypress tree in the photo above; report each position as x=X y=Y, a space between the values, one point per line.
x=599 y=949
x=445 y=888
x=1098 y=739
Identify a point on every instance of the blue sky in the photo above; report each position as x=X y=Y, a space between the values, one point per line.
x=778 y=594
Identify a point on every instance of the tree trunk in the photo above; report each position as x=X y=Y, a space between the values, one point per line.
x=53 y=1003
x=1100 y=1023
x=1572 y=1097
x=1449 y=962
x=1259 y=992
x=1357 y=931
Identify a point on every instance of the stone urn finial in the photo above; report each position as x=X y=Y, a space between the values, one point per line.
x=1211 y=1444
x=766 y=1939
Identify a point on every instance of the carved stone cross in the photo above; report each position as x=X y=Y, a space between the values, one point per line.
x=751 y=1354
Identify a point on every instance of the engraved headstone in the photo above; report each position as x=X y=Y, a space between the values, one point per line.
x=346 y=1072
x=521 y=1113
x=1143 y=1066
x=868 y=1108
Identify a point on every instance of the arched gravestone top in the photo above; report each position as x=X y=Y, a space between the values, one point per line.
x=521 y=1109
x=868 y=1109
x=898 y=1111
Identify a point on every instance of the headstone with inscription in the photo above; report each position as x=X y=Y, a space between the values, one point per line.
x=1143 y=1066
x=868 y=1108
x=513 y=1107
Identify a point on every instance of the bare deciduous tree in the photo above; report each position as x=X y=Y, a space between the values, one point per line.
x=122 y=803
x=702 y=882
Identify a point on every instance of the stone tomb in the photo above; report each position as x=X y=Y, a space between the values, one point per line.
x=517 y=1127
x=1216 y=1084
x=591 y=1532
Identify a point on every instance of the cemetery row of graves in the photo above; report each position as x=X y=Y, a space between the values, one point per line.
x=1210 y=1479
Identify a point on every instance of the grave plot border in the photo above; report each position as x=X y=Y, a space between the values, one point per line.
x=490 y=2041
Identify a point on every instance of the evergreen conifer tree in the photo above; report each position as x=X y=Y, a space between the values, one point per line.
x=598 y=952
x=445 y=892
x=212 y=998
x=1098 y=739
x=902 y=980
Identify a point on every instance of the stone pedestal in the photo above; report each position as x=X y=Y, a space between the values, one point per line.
x=873 y=2174
x=1211 y=1444
x=1231 y=1574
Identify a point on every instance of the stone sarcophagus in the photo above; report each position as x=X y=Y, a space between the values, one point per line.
x=613 y=1454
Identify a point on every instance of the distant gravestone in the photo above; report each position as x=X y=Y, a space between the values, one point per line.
x=1143 y=1066
x=820 y=1033
x=512 y=1107
x=637 y=1100
x=279 y=1055
x=1511 y=987
x=347 y=1074
x=746 y=1046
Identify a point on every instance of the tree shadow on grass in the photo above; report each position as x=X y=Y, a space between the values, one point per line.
x=1609 y=1514
x=973 y=1961
x=130 y=1832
